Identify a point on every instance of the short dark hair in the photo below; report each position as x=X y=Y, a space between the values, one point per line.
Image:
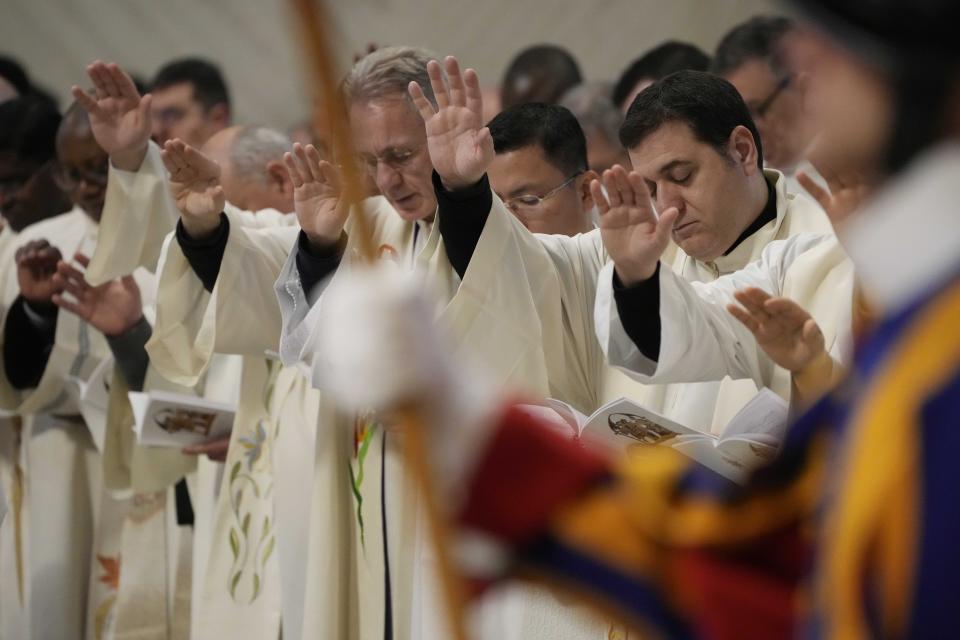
x=756 y=39
x=209 y=87
x=13 y=72
x=657 y=63
x=28 y=128
x=551 y=127
x=542 y=73
x=708 y=104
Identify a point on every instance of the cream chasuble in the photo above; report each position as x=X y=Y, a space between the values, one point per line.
x=264 y=470
x=53 y=474
x=141 y=213
x=393 y=581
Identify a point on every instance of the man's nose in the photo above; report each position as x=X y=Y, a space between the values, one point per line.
x=158 y=132
x=387 y=176
x=668 y=196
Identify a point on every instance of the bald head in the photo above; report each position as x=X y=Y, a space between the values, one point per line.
x=252 y=171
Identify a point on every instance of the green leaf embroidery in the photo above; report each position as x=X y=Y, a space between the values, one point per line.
x=266 y=526
x=233 y=584
x=234 y=471
x=359 y=499
x=234 y=543
x=245 y=527
x=268 y=550
x=256 y=586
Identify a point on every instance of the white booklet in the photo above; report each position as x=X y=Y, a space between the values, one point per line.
x=164 y=419
x=750 y=439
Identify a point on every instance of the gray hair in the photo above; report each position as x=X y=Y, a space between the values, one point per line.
x=593 y=106
x=254 y=146
x=388 y=72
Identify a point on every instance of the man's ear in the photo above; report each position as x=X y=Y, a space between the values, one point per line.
x=219 y=114
x=278 y=178
x=584 y=185
x=743 y=149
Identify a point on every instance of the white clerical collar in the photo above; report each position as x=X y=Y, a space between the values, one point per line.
x=907 y=240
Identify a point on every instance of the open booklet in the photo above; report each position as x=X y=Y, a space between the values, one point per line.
x=164 y=419
x=750 y=439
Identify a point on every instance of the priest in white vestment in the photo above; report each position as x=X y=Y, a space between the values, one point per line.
x=237 y=589
x=66 y=523
x=348 y=542
x=677 y=133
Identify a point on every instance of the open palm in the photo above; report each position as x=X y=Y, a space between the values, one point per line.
x=111 y=308
x=317 y=195
x=461 y=148
x=119 y=116
x=194 y=184
x=633 y=234
x=783 y=329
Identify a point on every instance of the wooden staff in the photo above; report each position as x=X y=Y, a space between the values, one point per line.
x=329 y=114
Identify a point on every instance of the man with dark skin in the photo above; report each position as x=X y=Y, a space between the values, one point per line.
x=42 y=274
x=62 y=481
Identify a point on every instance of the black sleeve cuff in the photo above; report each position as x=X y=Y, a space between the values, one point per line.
x=129 y=352
x=206 y=254
x=462 y=214
x=639 y=309
x=26 y=346
x=316 y=263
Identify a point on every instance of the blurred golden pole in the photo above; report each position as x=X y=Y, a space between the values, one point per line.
x=329 y=114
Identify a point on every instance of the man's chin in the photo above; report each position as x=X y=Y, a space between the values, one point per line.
x=699 y=248
x=413 y=210
x=93 y=210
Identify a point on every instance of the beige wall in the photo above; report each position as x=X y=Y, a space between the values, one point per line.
x=252 y=39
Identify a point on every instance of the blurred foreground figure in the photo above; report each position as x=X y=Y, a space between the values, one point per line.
x=851 y=532
x=752 y=57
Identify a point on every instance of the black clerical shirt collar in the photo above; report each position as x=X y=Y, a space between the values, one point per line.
x=769 y=214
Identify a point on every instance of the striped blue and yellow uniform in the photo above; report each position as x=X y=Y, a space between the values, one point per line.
x=853 y=532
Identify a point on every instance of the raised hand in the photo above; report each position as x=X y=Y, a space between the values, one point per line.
x=36 y=266
x=111 y=308
x=783 y=329
x=846 y=193
x=634 y=236
x=461 y=148
x=195 y=185
x=317 y=196
x=119 y=116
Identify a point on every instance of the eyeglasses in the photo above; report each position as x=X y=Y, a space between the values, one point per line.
x=69 y=178
x=396 y=158
x=531 y=201
x=761 y=109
